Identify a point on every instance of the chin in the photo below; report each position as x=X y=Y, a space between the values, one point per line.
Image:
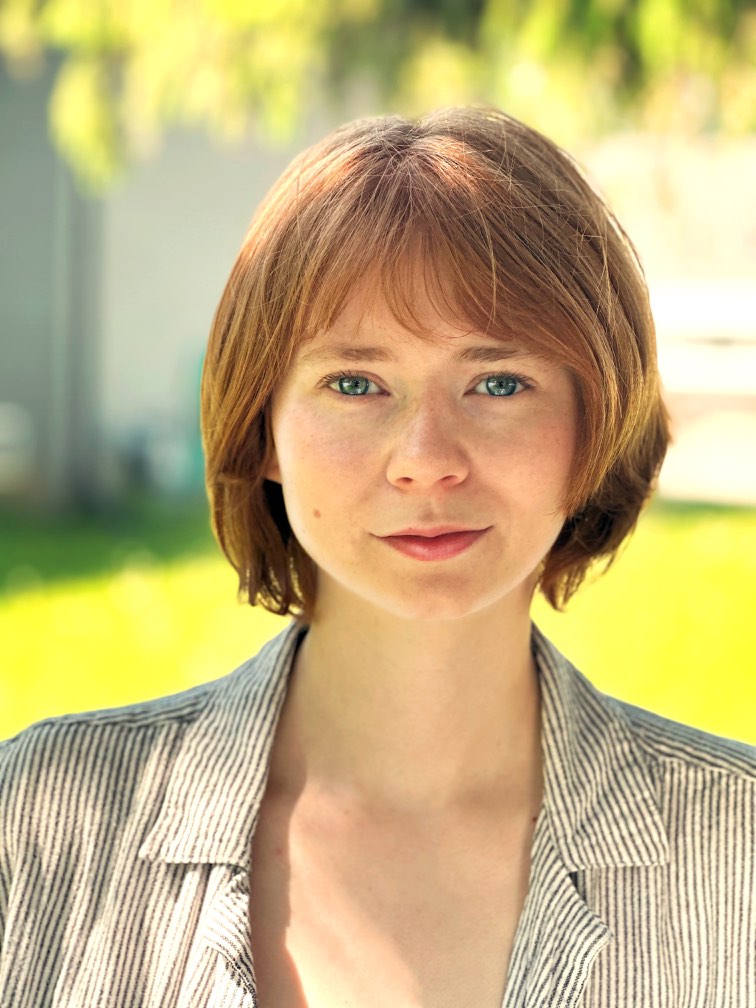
x=428 y=606
x=424 y=599
x=432 y=614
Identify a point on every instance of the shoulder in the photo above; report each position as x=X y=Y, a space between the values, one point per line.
x=683 y=748
x=78 y=769
x=661 y=785
x=71 y=738
x=604 y=723
x=705 y=787
x=72 y=734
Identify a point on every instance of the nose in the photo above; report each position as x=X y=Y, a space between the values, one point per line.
x=427 y=447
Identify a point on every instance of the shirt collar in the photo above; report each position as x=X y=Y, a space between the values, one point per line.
x=218 y=777
x=598 y=780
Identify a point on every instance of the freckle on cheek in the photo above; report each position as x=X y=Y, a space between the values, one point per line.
x=316 y=513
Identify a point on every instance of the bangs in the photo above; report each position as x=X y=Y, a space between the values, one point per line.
x=416 y=232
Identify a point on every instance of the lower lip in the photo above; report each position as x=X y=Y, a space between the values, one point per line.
x=438 y=548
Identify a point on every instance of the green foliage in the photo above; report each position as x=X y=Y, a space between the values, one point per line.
x=137 y=604
x=132 y=67
x=82 y=118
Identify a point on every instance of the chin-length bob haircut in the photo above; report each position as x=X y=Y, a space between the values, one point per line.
x=509 y=239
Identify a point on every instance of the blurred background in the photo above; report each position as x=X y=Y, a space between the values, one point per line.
x=136 y=140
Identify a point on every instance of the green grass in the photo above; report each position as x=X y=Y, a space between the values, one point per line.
x=107 y=610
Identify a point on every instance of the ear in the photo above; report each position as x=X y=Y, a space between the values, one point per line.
x=272 y=470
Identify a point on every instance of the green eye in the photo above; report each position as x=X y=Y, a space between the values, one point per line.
x=503 y=384
x=353 y=385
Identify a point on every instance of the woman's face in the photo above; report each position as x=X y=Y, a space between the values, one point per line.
x=421 y=438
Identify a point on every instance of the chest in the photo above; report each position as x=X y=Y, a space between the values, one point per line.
x=368 y=913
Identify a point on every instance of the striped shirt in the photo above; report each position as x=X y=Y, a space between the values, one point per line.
x=125 y=852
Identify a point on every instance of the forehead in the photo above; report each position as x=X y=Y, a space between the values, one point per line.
x=370 y=329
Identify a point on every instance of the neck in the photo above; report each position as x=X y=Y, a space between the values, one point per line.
x=414 y=715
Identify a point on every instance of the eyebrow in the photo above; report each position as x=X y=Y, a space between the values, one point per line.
x=368 y=354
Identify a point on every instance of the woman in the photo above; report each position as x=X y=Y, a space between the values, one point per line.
x=430 y=389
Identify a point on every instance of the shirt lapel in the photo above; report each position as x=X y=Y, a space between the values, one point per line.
x=558 y=935
x=600 y=812
x=217 y=782
x=208 y=817
x=599 y=782
x=226 y=938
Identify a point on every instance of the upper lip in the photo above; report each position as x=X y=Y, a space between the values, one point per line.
x=429 y=533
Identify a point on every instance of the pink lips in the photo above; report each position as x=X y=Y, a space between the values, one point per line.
x=440 y=547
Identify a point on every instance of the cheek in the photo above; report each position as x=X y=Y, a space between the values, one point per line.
x=320 y=451
x=559 y=448
x=539 y=462
x=321 y=467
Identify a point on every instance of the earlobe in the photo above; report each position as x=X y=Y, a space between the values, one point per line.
x=272 y=470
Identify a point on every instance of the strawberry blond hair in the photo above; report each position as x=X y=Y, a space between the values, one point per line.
x=509 y=238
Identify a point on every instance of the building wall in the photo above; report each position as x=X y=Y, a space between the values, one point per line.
x=171 y=232
x=49 y=307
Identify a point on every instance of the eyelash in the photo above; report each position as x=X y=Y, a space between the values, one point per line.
x=329 y=379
